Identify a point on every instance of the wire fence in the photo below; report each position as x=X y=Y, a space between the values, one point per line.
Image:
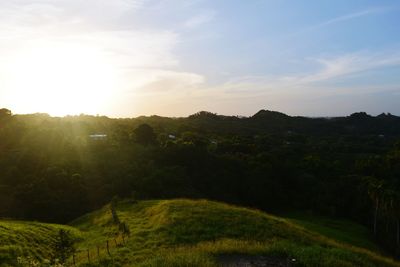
x=97 y=252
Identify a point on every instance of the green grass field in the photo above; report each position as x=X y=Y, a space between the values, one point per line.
x=197 y=232
x=194 y=233
x=341 y=230
x=28 y=239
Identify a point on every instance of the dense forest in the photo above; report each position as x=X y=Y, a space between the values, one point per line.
x=55 y=169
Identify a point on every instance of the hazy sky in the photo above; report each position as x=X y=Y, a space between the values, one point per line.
x=125 y=58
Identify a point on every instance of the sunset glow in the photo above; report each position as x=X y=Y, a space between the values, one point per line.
x=59 y=80
x=130 y=58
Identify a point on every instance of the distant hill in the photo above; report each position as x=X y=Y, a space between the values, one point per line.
x=264 y=121
x=268 y=114
x=267 y=121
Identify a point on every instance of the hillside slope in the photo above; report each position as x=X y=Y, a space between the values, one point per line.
x=205 y=233
x=29 y=240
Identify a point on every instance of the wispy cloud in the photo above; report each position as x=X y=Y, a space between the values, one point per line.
x=354 y=15
x=316 y=92
x=348 y=64
x=325 y=70
x=346 y=17
x=200 y=19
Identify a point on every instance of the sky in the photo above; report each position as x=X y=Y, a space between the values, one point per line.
x=126 y=58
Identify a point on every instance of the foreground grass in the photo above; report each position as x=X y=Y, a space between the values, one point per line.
x=28 y=239
x=205 y=254
x=341 y=230
x=195 y=233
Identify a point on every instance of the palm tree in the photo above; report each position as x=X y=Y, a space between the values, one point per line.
x=393 y=207
x=375 y=192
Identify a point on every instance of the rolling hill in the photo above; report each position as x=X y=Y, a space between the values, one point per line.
x=184 y=232
x=204 y=233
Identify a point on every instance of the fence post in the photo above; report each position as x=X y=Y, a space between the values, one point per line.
x=88 y=255
x=108 y=249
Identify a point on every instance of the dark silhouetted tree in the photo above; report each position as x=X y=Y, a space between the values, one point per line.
x=5 y=112
x=63 y=246
x=144 y=134
x=113 y=208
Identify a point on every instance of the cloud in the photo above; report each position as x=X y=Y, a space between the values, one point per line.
x=54 y=13
x=354 y=15
x=344 y=18
x=139 y=41
x=161 y=81
x=200 y=19
x=348 y=64
x=327 y=71
x=143 y=59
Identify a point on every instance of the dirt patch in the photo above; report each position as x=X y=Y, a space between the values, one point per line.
x=237 y=260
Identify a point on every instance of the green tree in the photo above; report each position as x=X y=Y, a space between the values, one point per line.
x=5 y=113
x=375 y=192
x=113 y=208
x=63 y=246
x=144 y=134
x=392 y=207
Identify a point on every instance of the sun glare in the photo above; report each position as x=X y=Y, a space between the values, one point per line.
x=60 y=80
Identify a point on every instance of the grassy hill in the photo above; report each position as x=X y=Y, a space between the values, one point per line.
x=29 y=240
x=340 y=230
x=194 y=233
x=205 y=233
